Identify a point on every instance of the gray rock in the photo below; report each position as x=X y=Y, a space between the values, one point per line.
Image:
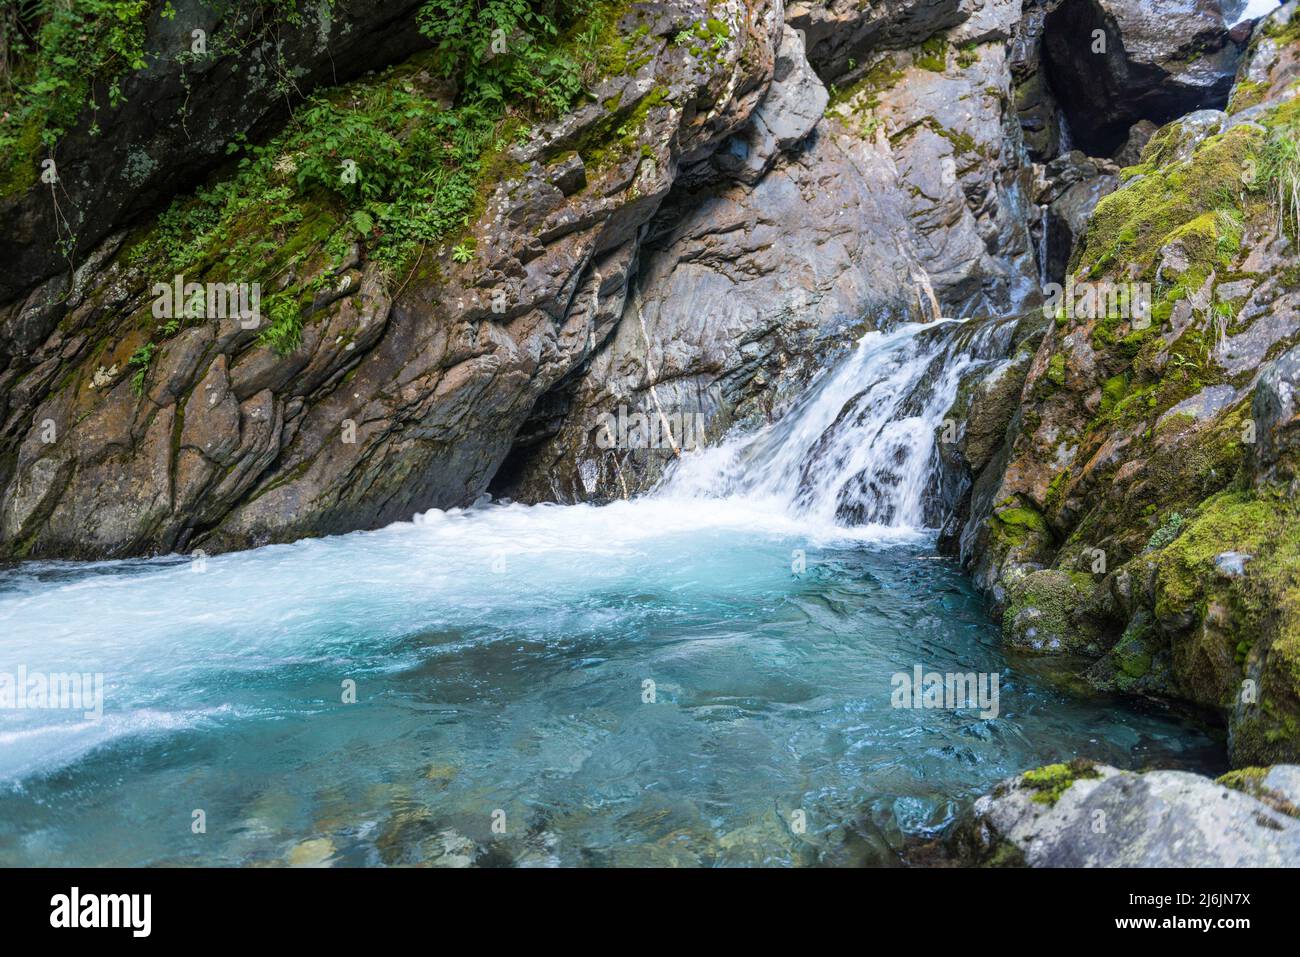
x=1203 y=406
x=1121 y=819
x=1139 y=134
x=402 y=396
x=1275 y=410
x=842 y=33
x=954 y=139
x=1179 y=140
x=1284 y=780
x=744 y=293
x=1075 y=184
x=792 y=107
x=1232 y=564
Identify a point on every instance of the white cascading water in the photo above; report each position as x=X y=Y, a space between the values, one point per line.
x=858 y=448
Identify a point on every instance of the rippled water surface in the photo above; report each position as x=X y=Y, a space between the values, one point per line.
x=501 y=657
x=701 y=676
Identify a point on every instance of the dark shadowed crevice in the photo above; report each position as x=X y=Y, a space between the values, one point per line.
x=1103 y=91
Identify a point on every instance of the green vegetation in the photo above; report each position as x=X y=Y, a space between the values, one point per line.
x=1056 y=369
x=1133 y=657
x=60 y=57
x=933 y=54
x=1279 y=170
x=392 y=163
x=864 y=93
x=705 y=38
x=1243 y=779
x=1049 y=783
x=507 y=51
x=1198 y=202
x=139 y=361
x=1021 y=521
x=1166 y=533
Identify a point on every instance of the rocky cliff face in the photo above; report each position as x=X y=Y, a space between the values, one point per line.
x=398 y=392
x=1141 y=509
x=704 y=157
x=742 y=189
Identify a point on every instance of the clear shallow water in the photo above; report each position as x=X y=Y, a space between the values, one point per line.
x=501 y=655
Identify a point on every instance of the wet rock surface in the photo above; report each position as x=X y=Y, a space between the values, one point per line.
x=699 y=269
x=681 y=254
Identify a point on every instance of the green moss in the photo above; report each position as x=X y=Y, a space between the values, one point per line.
x=962 y=143
x=1133 y=657
x=20 y=171
x=1243 y=779
x=1056 y=369
x=1050 y=782
x=616 y=136
x=1005 y=855
x=1230 y=521
x=1056 y=490
x=1166 y=533
x=594 y=39
x=1195 y=201
x=1246 y=94
x=1051 y=611
x=968 y=55
x=1250 y=780
x=933 y=54
x=864 y=94
x=1113 y=391
x=1022 y=519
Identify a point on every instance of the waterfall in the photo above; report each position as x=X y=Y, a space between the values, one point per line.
x=1044 y=245
x=860 y=446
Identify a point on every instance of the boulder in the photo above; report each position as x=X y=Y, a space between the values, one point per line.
x=1091 y=815
x=1275 y=412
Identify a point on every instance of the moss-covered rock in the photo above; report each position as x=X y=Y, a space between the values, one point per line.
x=1052 y=612
x=1051 y=781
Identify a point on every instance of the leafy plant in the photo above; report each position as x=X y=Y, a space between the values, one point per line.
x=284 y=332
x=140 y=361
x=504 y=51
x=58 y=57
